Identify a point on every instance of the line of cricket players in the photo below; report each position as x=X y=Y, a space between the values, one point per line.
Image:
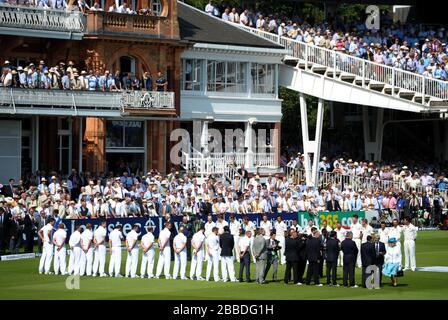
x=88 y=248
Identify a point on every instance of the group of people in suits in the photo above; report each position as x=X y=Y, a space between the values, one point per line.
x=309 y=252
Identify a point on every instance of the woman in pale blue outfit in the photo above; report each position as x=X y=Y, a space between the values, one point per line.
x=392 y=261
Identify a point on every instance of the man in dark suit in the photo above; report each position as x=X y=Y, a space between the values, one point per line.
x=332 y=256
x=15 y=235
x=350 y=251
x=29 y=229
x=292 y=247
x=243 y=172
x=302 y=256
x=227 y=243
x=333 y=205
x=380 y=251
x=368 y=257
x=2 y=232
x=273 y=249
x=313 y=254
x=8 y=190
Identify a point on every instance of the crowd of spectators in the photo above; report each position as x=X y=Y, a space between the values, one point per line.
x=108 y=195
x=406 y=46
x=68 y=77
x=83 y=6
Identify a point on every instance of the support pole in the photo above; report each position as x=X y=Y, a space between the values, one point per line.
x=372 y=145
x=80 y=145
x=249 y=144
x=311 y=147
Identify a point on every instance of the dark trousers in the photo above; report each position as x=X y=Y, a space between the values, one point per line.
x=189 y=249
x=29 y=241
x=294 y=265
x=302 y=267
x=14 y=245
x=348 y=273
x=332 y=268
x=245 y=263
x=321 y=267
x=380 y=267
x=312 y=272
x=2 y=241
x=274 y=263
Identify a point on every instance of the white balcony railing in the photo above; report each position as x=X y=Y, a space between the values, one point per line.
x=41 y=19
x=13 y=98
x=395 y=78
x=361 y=183
x=146 y=100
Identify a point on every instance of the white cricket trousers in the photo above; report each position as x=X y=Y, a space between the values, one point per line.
x=132 y=263
x=227 y=266
x=236 y=250
x=281 y=239
x=115 y=262
x=164 y=262
x=73 y=263
x=341 y=259
x=100 y=259
x=409 y=254
x=86 y=262
x=147 y=259
x=180 y=259
x=213 y=261
x=45 y=259
x=196 y=264
x=358 y=245
x=59 y=260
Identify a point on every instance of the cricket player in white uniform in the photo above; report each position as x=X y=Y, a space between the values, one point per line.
x=115 y=238
x=197 y=242
x=164 y=252
x=60 y=252
x=395 y=232
x=180 y=254
x=147 y=244
x=383 y=233
x=132 y=248
x=213 y=255
x=235 y=229
x=280 y=229
x=267 y=226
x=356 y=229
x=75 y=246
x=410 y=234
x=220 y=224
x=99 y=240
x=87 y=251
x=340 y=235
x=366 y=230
x=47 y=248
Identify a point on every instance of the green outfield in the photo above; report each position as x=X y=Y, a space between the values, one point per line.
x=20 y=280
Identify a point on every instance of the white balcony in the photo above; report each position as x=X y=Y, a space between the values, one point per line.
x=85 y=103
x=38 y=22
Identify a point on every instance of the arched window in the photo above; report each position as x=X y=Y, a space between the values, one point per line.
x=157 y=7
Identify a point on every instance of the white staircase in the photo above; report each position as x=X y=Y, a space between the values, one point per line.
x=336 y=76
